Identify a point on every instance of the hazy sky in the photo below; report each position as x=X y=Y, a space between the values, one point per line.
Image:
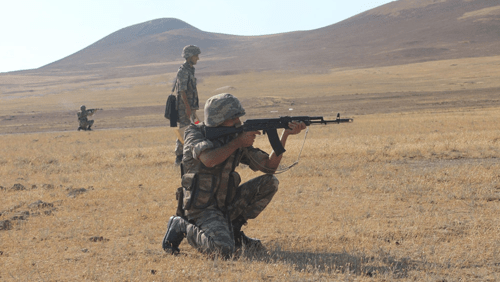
x=37 y=32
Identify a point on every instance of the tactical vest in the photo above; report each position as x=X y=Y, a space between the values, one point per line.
x=211 y=186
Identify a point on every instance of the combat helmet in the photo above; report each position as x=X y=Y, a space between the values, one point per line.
x=82 y=107
x=190 y=50
x=222 y=107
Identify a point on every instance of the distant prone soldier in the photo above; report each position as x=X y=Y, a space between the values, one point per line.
x=83 y=114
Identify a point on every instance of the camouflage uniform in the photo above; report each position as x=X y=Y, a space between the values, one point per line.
x=186 y=81
x=85 y=124
x=213 y=197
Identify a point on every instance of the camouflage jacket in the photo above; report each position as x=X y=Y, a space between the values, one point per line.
x=187 y=82
x=206 y=187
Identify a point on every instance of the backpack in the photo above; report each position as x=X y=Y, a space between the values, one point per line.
x=171 y=112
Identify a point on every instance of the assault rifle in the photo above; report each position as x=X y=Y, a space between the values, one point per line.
x=269 y=126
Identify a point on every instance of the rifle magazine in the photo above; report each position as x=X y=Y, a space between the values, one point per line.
x=282 y=170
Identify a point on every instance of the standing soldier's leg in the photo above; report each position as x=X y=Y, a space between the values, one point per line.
x=178 y=151
x=183 y=122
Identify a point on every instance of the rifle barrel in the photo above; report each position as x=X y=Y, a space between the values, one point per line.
x=339 y=120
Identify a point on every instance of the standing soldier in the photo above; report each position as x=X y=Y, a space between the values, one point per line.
x=85 y=124
x=187 y=96
x=215 y=205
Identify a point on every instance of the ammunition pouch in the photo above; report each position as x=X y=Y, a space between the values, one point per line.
x=198 y=190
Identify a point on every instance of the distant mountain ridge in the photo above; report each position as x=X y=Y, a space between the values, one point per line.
x=149 y=28
x=400 y=32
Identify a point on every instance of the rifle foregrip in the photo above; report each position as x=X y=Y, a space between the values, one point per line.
x=272 y=135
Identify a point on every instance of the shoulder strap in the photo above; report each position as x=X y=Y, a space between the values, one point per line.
x=175 y=85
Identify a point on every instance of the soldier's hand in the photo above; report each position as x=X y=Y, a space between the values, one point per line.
x=295 y=127
x=246 y=139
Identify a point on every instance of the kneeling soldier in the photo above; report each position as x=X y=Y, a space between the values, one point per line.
x=216 y=206
x=83 y=121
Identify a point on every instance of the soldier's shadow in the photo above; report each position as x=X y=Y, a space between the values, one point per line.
x=337 y=262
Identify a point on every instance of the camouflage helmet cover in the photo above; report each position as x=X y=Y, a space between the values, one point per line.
x=222 y=107
x=190 y=50
x=82 y=107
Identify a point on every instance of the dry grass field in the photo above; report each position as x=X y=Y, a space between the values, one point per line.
x=408 y=192
x=45 y=103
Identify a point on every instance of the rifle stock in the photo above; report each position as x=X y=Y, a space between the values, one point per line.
x=269 y=127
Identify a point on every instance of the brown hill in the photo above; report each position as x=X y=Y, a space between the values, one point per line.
x=400 y=32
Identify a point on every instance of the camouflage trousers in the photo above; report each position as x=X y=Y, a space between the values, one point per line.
x=84 y=123
x=212 y=233
x=183 y=122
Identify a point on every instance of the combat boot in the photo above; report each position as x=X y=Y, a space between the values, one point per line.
x=176 y=231
x=251 y=243
x=241 y=239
